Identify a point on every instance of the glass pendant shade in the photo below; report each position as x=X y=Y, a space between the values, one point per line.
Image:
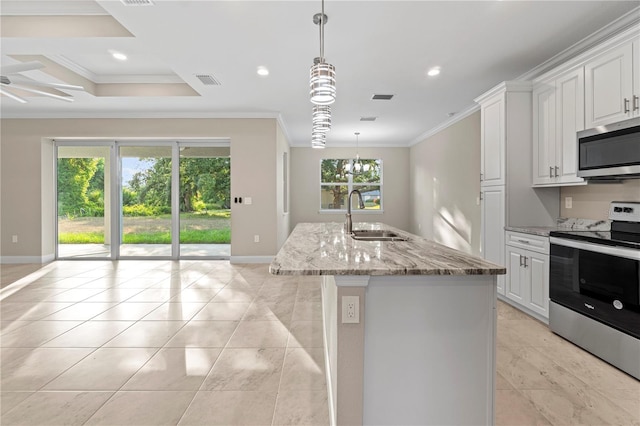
x=321 y=118
x=322 y=83
x=318 y=140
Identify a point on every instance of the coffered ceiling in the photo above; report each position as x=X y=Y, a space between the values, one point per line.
x=377 y=47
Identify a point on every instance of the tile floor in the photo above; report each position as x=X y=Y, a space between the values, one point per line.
x=206 y=343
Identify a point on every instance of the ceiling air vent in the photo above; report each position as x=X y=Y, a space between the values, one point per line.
x=382 y=97
x=208 y=80
x=137 y=2
x=368 y=118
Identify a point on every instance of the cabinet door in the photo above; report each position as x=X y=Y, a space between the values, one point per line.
x=636 y=79
x=492 y=149
x=517 y=280
x=538 y=271
x=492 y=232
x=544 y=133
x=569 y=121
x=609 y=87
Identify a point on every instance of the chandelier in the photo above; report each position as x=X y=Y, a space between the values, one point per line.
x=358 y=167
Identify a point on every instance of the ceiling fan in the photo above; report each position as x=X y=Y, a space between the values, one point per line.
x=10 y=78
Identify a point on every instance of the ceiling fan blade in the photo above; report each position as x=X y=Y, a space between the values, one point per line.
x=24 y=81
x=25 y=66
x=12 y=96
x=40 y=92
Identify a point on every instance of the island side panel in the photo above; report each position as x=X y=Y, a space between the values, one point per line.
x=430 y=350
x=330 y=329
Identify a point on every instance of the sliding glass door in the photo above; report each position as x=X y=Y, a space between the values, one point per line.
x=146 y=206
x=143 y=199
x=151 y=199
x=205 y=201
x=84 y=201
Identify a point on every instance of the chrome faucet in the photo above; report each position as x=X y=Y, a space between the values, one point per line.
x=349 y=225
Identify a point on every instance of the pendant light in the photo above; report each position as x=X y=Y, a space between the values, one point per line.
x=322 y=80
x=318 y=140
x=321 y=118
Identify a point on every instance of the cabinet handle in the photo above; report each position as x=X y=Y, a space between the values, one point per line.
x=556 y=172
x=550 y=171
x=525 y=261
x=520 y=260
x=481 y=177
x=523 y=241
x=626 y=105
x=636 y=104
x=481 y=197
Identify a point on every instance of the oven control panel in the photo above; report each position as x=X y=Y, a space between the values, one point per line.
x=624 y=211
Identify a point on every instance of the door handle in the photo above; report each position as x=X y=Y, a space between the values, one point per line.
x=626 y=105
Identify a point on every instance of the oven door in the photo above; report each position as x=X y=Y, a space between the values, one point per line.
x=601 y=282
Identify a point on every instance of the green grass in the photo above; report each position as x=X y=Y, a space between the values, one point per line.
x=210 y=236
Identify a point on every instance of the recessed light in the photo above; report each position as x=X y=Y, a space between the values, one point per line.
x=118 y=55
x=433 y=71
x=262 y=71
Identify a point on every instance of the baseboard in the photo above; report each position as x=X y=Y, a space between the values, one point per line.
x=27 y=259
x=251 y=259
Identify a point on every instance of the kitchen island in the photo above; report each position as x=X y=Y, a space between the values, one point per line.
x=418 y=347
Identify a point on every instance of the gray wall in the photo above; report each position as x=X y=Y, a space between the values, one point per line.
x=305 y=185
x=444 y=185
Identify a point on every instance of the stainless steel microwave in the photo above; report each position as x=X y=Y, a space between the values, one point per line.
x=611 y=151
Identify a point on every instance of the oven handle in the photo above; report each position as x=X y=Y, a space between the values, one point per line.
x=597 y=248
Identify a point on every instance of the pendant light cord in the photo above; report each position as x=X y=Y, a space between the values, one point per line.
x=322 y=34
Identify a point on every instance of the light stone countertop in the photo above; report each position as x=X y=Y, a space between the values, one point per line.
x=324 y=249
x=563 y=224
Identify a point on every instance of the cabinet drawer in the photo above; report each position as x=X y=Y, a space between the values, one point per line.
x=528 y=241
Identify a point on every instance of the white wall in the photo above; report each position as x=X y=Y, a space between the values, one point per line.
x=27 y=180
x=592 y=201
x=305 y=185
x=444 y=185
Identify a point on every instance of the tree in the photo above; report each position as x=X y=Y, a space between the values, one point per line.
x=74 y=175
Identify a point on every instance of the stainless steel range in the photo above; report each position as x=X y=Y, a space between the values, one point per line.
x=594 y=287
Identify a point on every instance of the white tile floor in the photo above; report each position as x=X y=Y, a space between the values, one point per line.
x=209 y=343
x=160 y=342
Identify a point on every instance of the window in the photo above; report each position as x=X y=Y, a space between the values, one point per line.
x=336 y=183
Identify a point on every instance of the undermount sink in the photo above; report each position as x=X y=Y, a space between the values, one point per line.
x=371 y=235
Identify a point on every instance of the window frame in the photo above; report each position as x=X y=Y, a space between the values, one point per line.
x=351 y=186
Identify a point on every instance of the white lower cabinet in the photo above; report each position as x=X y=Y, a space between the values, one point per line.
x=527 y=282
x=492 y=231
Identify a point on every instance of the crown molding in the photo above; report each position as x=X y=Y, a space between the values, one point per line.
x=458 y=117
x=138 y=115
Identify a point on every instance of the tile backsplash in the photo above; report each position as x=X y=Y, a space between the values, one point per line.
x=592 y=201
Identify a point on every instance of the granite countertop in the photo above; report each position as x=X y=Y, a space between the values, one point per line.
x=542 y=231
x=563 y=224
x=324 y=249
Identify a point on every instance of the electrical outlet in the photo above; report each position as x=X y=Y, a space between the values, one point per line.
x=256 y=238
x=14 y=238
x=350 y=309
x=568 y=202
x=248 y=200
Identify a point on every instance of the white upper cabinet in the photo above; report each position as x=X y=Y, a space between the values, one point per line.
x=492 y=148
x=544 y=133
x=558 y=114
x=569 y=121
x=609 y=87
